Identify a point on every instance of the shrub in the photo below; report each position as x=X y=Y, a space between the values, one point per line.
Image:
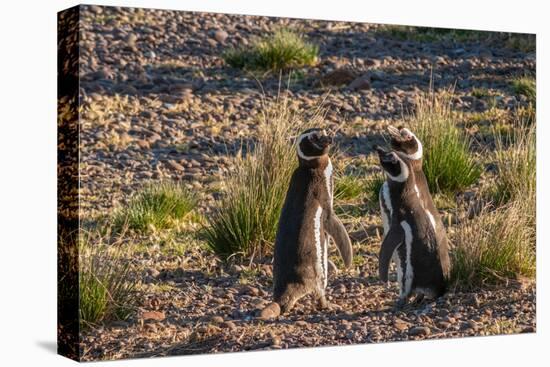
x=448 y=164
x=348 y=187
x=157 y=206
x=515 y=156
x=373 y=185
x=105 y=290
x=495 y=246
x=284 y=49
x=525 y=86
x=245 y=219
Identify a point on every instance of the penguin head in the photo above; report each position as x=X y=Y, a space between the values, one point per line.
x=394 y=167
x=313 y=144
x=405 y=143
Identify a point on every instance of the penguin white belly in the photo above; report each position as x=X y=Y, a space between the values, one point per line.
x=325 y=260
x=320 y=247
x=328 y=180
x=385 y=207
x=409 y=272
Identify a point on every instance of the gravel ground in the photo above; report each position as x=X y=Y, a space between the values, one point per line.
x=157 y=102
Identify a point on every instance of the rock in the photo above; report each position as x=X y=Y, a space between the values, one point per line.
x=153 y=315
x=216 y=319
x=360 y=83
x=419 y=331
x=175 y=165
x=253 y=291
x=339 y=77
x=270 y=311
x=131 y=39
x=443 y=324
x=400 y=324
x=220 y=36
x=276 y=340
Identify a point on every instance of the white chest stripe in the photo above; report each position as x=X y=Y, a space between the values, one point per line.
x=328 y=180
x=431 y=218
x=319 y=250
x=408 y=246
x=417 y=193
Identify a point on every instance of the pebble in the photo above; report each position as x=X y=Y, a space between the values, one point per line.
x=271 y=311
x=419 y=331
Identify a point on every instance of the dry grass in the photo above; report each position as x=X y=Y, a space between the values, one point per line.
x=448 y=164
x=106 y=291
x=515 y=156
x=245 y=220
x=495 y=246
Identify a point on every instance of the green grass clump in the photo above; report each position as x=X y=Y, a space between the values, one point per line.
x=245 y=219
x=373 y=185
x=495 y=246
x=428 y=34
x=348 y=187
x=527 y=87
x=282 y=50
x=157 y=206
x=448 y=164
x=105 y=291
x=516 y=159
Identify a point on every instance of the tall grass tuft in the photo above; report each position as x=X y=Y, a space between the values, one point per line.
x=496 y=246
x=373 y=185
x=157 y=206
x=105 y=290
x=284 y=49
x=525 y=86
x=348 y=187
x=448 y=164
x=515 y=156
x=245 y=219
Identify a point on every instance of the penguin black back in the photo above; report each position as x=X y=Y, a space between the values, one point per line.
x=306 y=223
x=412 y=234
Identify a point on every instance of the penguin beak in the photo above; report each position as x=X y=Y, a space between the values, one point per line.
x=394 y=132
x=325 y=140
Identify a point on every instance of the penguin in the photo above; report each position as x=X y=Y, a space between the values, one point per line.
x=306 y=224
x=416 y=244
x=409 y=147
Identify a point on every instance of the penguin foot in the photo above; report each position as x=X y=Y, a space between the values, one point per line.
x=399 y=304
x=418 y=299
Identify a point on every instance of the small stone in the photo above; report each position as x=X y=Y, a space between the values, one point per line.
x=276 y=340
x=400 y=324
x=131 y=39
x=419 y=331
x=175 y=165
x=153 y=315
x=339 y=77
x=253 y=291
x=270 y=311
x=220 y=36
x=216 y=319
x=360 y=83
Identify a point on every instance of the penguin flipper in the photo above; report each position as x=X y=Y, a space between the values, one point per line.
x=394 y=238
x=337 y=231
